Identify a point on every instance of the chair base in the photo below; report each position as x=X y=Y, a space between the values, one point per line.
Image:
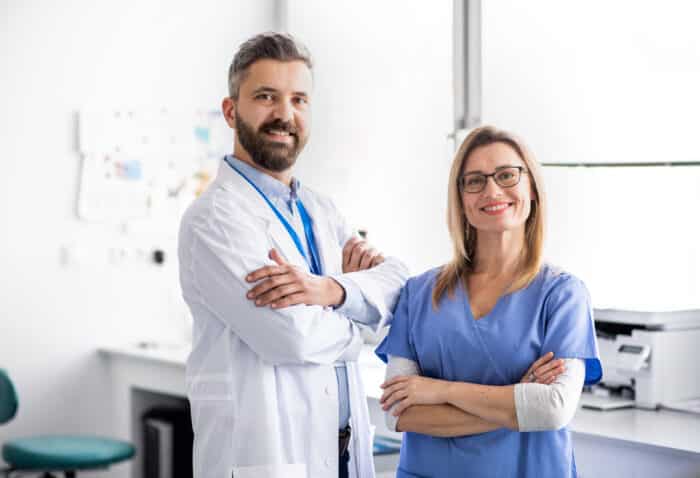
x=7 y=473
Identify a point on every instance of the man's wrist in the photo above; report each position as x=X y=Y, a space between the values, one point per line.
x=336 y=292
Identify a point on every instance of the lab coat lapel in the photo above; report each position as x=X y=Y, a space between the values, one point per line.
x=279 y=236
x=283 y=241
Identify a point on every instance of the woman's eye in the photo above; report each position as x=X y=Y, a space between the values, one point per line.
x=475 y=180
x=505 y=175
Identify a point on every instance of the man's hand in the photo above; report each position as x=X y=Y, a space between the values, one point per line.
x=358 y=255
x=283 y=285
x=544 y=370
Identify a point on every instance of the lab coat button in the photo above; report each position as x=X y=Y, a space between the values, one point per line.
x=327 y=462
x=327 y=390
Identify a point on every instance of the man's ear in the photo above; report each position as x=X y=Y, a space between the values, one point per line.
x=228 y=108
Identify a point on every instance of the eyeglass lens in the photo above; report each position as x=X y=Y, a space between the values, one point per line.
x=506 y=177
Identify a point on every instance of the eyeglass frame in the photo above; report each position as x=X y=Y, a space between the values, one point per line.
x=521 y=170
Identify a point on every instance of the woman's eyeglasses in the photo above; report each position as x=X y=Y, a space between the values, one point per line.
x=505 y=176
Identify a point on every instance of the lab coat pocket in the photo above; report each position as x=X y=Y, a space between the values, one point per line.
x=210 y=386
x=297 y=470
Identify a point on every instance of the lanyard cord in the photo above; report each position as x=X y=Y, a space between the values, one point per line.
x=314 y=263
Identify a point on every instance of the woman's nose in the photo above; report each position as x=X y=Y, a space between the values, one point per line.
x=491 y=186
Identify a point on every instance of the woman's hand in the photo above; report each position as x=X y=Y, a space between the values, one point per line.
x=544 y=370
x=284 y=284
x=412 y=390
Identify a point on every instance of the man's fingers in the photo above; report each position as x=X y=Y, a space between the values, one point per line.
x=277 y=257
x=348 y=247
x=264 y=272
x=378 y=259
x=289 y=300
x=367 y=258
x=356 y=254
x=271 y=283
x=273 y=295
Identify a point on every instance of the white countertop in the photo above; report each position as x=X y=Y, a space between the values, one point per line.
x=663 y=428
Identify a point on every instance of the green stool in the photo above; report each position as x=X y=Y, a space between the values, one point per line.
x=47 y=454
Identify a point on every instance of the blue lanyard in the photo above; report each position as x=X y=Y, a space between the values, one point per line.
x=314 y=263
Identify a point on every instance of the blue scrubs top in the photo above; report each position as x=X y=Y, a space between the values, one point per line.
x=553 y=313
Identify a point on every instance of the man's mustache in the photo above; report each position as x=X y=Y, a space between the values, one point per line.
x=279 y=125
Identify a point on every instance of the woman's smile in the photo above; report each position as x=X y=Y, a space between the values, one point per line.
x=496 y=208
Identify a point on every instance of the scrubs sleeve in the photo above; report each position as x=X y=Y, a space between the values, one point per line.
x=569 y=327
x=399 y=341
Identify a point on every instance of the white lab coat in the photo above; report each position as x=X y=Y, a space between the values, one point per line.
x=261 y=382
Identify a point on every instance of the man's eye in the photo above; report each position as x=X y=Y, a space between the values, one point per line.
x=300 y=100
x=264 y=97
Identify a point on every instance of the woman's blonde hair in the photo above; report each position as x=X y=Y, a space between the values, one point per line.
x=464 y=235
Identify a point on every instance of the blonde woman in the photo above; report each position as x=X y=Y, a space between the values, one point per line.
x=459 y=380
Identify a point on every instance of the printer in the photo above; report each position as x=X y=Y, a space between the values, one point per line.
x=651 y=356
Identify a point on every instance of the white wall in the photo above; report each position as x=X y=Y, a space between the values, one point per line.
x=607 y=82
x=59 y=57
x=382 y=110
x=595 y=81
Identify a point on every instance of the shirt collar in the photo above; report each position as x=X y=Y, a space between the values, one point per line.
x=271 y=187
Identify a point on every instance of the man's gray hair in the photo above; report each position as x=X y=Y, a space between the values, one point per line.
x=271 y=45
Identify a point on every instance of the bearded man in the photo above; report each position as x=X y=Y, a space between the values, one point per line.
x=277 y=283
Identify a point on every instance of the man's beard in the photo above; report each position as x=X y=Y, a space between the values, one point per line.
x=267 y=154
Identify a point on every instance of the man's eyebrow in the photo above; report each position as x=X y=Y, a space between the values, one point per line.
x=264 y=89
x=269 y=89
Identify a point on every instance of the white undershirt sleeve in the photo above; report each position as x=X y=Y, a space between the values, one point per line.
x=550 y=407
x=395 y=367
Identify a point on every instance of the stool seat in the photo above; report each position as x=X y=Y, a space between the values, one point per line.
x=60 y=452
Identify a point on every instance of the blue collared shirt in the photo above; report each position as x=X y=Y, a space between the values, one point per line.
x=355 y=306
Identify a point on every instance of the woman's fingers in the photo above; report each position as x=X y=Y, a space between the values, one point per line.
x=552 y=364
x=403 y=405
x=393 y=398
x=393 y=380
x=541 y=361
x=391 y=389
x=551 y=375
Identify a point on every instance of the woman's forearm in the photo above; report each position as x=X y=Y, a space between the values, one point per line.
x=442 y=421
x=495 y=404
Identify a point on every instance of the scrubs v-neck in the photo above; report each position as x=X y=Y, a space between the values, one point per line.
x=553 y=313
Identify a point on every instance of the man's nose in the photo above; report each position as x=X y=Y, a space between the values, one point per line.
x=284 y=111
